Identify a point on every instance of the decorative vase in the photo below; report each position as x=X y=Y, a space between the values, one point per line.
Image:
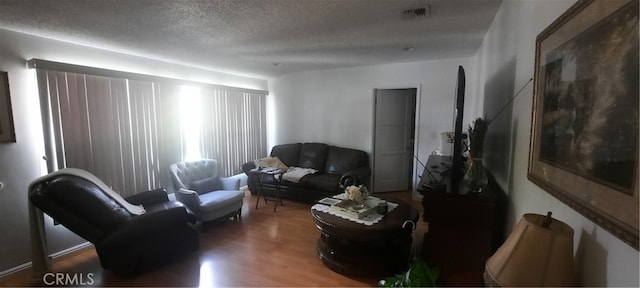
x=475 y=177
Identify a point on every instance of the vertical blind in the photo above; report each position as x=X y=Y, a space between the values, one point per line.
x=233 y=128
x=127 y=131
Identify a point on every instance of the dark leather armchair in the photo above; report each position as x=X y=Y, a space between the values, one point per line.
x=126 y=243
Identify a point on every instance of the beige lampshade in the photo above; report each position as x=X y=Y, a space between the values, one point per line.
x=533 y=255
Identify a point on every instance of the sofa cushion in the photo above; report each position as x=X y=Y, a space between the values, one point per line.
x=323 y=182
x=288 y=153
x=313 y=155
x=342 y=160
x=206 y=185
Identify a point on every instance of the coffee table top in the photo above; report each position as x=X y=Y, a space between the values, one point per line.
x=390 y=226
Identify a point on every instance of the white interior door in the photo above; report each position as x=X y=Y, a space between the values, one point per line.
x=393 y=141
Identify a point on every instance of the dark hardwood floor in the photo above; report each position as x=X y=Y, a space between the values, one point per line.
x=262 y=249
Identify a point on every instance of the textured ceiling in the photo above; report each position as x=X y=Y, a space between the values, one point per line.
x=262 y=38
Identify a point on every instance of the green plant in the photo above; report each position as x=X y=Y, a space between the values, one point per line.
x=419 y=274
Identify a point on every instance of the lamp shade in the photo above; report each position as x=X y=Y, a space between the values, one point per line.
x=535 y=254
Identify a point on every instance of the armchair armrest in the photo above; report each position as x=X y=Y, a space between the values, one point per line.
x=149 y=197
x=141 y=228
x=356 y=177
x=230 y=183
x=189 y=198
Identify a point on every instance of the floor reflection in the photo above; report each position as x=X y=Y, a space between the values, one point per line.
x=207 y=275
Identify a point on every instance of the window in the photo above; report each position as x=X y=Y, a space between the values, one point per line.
x=233 y=128
x=190 y=121
x=127 y=128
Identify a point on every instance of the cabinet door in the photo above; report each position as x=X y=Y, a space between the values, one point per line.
x=459 y=240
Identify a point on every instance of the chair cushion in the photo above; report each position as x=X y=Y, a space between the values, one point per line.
x=79 y=205
x=206 y=185
x=218 y=199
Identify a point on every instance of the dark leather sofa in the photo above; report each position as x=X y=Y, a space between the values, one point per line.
x=337 y=167
x=126 y=244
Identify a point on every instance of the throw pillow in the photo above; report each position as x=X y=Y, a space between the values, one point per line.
x=206 y=185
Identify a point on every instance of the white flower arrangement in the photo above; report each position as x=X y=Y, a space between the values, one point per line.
x=356 y=193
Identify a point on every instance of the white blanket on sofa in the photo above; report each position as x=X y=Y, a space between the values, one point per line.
x=294 y=174
x=271 y=162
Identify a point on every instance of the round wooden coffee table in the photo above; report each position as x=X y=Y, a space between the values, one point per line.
x=351 y=248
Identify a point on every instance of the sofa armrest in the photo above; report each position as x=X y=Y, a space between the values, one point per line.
x=230 y=183
x=358 y=176
x=149 y=197
x=189 y=198
x=143 y=227
x=247 y=167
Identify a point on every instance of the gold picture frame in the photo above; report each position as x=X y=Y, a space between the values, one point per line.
x=7 y=132
x=584 y=130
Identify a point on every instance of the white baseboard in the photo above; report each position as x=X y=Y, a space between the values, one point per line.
x=70 y=250
x=58 y=254
x=15 y=269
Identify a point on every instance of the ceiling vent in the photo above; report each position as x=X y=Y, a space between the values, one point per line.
x=416 y=12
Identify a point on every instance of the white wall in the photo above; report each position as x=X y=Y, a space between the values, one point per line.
x=21 y=162
x=506 y=61
x=336 y=106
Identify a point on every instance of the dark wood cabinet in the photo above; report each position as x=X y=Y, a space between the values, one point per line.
x=462 y=224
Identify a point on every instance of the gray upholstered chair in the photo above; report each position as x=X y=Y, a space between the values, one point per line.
x=199 y=187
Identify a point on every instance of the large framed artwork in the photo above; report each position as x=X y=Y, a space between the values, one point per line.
x=7 y=133
x=584 y=133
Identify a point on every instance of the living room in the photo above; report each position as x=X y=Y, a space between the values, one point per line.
x=335 y=106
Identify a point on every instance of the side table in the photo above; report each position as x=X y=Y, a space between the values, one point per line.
x=276 y=174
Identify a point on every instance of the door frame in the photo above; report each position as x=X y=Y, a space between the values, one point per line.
x=416 y=131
